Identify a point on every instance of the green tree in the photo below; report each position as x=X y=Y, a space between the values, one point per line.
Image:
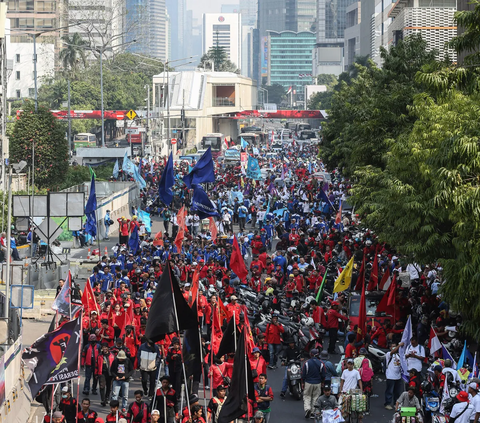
x=73 y=52
x=219 y=57
x=370 y=106
x=327 y=79
x=276 y=93
x=51 y=149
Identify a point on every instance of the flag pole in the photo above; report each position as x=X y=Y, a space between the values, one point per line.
x=78 y=362
x=246 y=376
x=53 y=400
x=156 y=384
x=178 y=331
x=235 y=330
x=71 y=292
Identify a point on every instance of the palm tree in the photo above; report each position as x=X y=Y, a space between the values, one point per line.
x=73 y=51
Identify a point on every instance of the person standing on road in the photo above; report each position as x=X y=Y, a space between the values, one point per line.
x=313 y=376
x=68 y=405
x=475 y=401
x=216 y=403
x=242 y=219
x=264 y=396
x=350 y=378
x=394 y=376
x=123 y=230
x=138 y=410
x=102 y=371
x=121 y=371
x=91 y=351
x=108 y=222
x=332 y=320
x=462 y=410
x=415 y=354
x=273 y=334
x=166 y=394
x=149 y=360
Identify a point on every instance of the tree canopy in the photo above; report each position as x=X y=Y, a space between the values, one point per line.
x=407 y=135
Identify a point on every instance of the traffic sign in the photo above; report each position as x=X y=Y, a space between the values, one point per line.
x=174 y=141
x=131 y=114
x=132 y=131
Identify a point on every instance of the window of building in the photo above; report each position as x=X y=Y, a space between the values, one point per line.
x=17 y=75
x=17 y=58
x=31 y=92
x=18 y=94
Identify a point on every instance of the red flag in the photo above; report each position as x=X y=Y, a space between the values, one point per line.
x=361 y=276
x=222 y=311
x=385 y=279
x=181 y=215
x=236 y=261
x=392 y=292
x=216 y=330
x=88 y=299
x=194 y=289
x=249 y=344
x=373 y=281
x=179 y=239
x=122 y=321
x=385 y=304
x=158 y=240
x=362 y=315
x=213 y=229
x=226 y=142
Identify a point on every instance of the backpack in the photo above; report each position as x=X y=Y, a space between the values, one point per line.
x=365 y=371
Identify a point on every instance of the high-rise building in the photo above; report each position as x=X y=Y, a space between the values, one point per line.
x=290 y=60
x=331 y=22
x=194 y=35
x=352 y=33
x=145 y=28
x=177 y=10
x=374 y=23
x=280 y=15
x=230 y=8
x=224 y=30
x=248 y=10
x=433 y=19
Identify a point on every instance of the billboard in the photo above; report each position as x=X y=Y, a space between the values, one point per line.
x=264 y=56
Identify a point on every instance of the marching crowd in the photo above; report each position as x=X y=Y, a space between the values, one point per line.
x=297 y=239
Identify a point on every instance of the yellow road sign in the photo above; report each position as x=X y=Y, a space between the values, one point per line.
x=131 y=114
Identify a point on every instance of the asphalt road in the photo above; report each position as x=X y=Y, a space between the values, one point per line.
x=283 y=410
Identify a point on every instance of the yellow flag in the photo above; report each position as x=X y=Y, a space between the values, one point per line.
x=343 y=281
x=241 y=182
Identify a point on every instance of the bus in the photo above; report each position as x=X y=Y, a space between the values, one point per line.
x=84 y=140
x=302 y=126
x=250 y=137
x=215 y=141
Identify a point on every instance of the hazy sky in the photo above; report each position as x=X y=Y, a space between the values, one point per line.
x=206 y=6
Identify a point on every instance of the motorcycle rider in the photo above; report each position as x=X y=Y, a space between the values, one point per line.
x=451 y=376
x=286 y=355
x=408 y=399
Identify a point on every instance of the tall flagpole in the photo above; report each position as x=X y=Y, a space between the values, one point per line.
x=78 y=362
x=178 y=331
x=246 y=376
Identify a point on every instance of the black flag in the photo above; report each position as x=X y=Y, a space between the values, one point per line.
x=161 y=318
x=227 y=344
x=236 y=404
x=191 y=349
x=54 y=354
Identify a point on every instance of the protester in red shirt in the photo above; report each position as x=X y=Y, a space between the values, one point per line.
x=332 y=317
x=274 y=340
x=232 y=308
x=106 y=333
x=123 y=230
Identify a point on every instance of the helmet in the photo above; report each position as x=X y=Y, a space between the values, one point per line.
x=426 y=386
x=309 y=299
x=448 y=363
x=307 y=321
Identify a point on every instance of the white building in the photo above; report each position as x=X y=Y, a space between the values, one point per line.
x=225 y=30
x=432 y=19
x=21 y=83
x=209 y=100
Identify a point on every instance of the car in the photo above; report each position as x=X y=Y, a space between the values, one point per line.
x=323 y=176
x=200 y=153
x=371 y=301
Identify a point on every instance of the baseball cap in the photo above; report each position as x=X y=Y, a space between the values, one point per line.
x=233 y=297
x=350 y=360
x=65 y=389
x=57 y=415
x=473 y=386
x=155 y=412
x=259 y=415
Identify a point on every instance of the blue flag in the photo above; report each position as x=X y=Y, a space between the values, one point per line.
x=202 y=204
x=146 y=220
x=128 y=166
x=90 y=209
x=462 y=358
x=253 y=169
x=116 y=170
x=446 y=354
x=202 y=172
x=138 y=177
x=244 y=144
x=134 y=241
x=166 y=182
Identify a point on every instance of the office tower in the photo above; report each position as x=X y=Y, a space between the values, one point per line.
x=432 y=19
x=248 y=10
x=223 y=30
x=145 y=28
x=290 y=60
x=279 y=15
x=177 y=11
x=352 y=33
x=331 y=22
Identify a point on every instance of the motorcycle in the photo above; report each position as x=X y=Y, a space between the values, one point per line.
x=294 y=375
x=431 y=404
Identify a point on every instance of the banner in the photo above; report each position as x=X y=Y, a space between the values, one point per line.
x=253 y=169
x=146 y=220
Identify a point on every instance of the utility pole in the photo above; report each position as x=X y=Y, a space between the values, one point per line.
x=69 y=118
x=148 y=121
x=101 y=96
x=35 y=70
x=184 y=141
x=9 y=249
